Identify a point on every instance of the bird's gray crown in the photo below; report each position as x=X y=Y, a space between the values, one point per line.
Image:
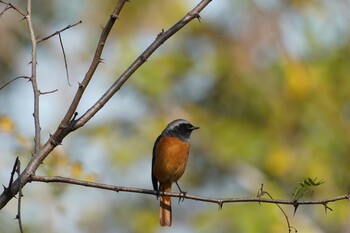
x=179 y=128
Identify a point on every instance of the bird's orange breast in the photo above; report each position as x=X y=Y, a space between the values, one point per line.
x=171 y=159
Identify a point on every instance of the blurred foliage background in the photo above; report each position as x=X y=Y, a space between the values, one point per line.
x=267 y=82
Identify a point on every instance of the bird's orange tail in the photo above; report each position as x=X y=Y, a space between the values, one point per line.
x=165 y=209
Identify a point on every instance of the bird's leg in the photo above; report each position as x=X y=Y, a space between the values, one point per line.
x=158 y=190
x=182 y=193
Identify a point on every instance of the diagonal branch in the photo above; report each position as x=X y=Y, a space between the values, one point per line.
x=69 y=123
x=58 y=32
x=12 y=80
x=64 y=127
x=10 y=6
x=62 y=130
x=161 y=38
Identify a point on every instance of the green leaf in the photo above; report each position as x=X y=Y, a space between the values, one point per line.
x=306 y=186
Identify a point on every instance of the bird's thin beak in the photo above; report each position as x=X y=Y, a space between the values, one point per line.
x=194 y=127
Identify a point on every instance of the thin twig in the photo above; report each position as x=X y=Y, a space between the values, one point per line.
x=5 y=9
x=12 y=80
x=58 y=32
x=64 y=58
x=48 y=92
x=18 y=216
x=263 y=192
x=10 y=6
x=13 y=174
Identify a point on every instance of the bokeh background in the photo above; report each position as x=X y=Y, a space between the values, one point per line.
x=267 y=81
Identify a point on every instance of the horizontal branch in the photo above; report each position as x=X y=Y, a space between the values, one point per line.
x=219 y=201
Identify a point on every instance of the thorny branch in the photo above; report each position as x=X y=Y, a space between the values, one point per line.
x=19 y=216
x=69 y=123
x=10 y=6
x=58 y=32
x=183 y=196
x=219 y=201
x=33 y=79
x=61 y=44
x=160 y=39
x=12 y=80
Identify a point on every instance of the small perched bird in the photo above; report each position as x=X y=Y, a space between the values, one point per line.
x=170 y=155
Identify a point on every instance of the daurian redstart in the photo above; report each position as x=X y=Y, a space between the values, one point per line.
x=170 y=155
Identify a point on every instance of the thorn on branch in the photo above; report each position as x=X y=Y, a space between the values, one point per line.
x=220 y=203
x=13 y=173
x=160 y=33
x=10 y=6
x=296 y=205
x=5 y=189
x=75 y=116
x=114 y=16
x=261 y=191
x=326 y=207
x=195 y=15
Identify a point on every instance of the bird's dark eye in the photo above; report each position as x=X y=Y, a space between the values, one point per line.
x=185 y=126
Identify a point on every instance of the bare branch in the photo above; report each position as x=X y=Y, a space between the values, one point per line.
x=13 y=173
x=58 y=32
x=48 y=92
x=69 y=123
x=64 y=58
x=60 y=179
x=262 y=192
x=9 y=82
x=33 y=79
x=61 y=44
x=10 y=6
x=18 y=216
x=160 y=39
x=63 y=128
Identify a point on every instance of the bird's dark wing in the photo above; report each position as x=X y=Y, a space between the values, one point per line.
x=154 y=180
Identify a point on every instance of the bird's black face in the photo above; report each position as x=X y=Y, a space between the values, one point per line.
x=180 y=128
